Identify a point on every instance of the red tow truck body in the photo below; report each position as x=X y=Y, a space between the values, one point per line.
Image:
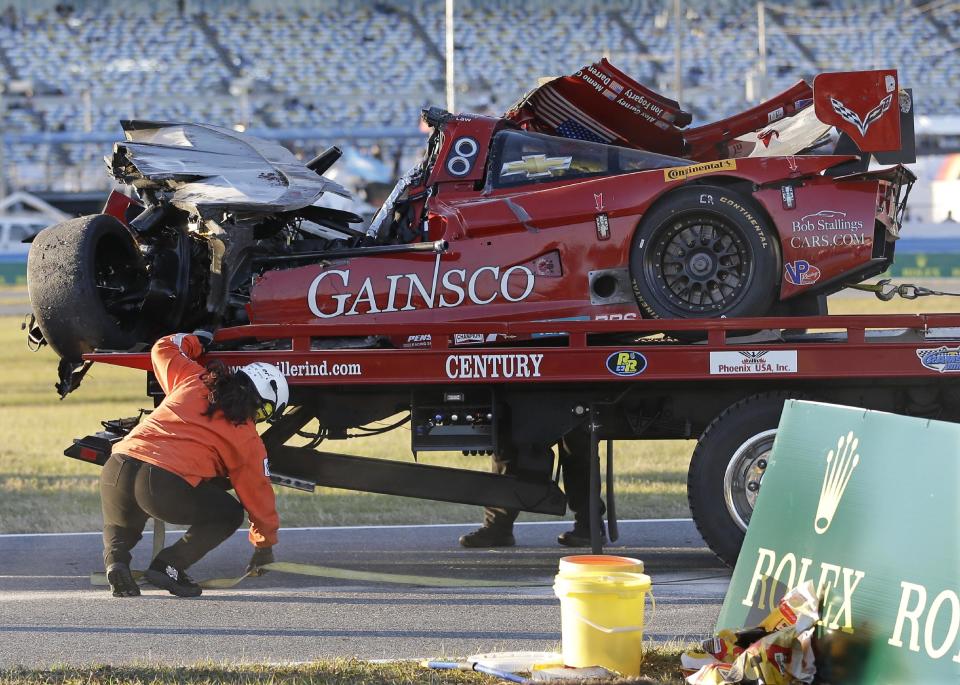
x=517 y=388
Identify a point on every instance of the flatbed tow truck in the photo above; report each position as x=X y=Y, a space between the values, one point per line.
x=619 y=380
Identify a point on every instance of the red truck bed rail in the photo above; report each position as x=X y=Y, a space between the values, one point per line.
x=860 y=346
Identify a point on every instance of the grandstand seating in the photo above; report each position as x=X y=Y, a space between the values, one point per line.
x=365 y=63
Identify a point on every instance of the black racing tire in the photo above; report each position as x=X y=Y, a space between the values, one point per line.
x=730 y=455
x=702 y=252
x=808 y=304
x=805 y=305
x=81 y=277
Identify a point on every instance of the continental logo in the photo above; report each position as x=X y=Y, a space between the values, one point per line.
x=678 y=173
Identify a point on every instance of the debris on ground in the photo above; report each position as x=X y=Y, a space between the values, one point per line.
x=779 y=651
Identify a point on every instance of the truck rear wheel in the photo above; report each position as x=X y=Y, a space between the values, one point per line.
x=727 y=468
x=86 y=281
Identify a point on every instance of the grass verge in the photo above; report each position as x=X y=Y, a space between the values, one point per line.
x=660 y=667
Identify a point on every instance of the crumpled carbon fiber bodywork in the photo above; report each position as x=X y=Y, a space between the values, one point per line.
x=206 y=169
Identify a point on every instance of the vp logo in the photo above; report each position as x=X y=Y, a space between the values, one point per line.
x=801 y=272
x=626 y=363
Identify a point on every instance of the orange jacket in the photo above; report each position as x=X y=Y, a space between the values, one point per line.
x=179 y=438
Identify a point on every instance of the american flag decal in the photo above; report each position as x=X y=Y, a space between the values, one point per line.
x=569 y=120
x=575 y=130
x=862 y=125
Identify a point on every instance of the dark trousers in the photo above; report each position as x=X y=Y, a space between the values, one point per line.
x=574 y=455
x=131 y=491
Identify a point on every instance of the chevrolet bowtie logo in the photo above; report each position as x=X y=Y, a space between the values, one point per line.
x=536 y=166
x=840 y=465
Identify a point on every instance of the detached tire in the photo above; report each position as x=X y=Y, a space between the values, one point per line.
x=705 y=251
x=727 y=468
x=83 y=277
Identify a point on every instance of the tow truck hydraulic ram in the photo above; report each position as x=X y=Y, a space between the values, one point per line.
x=439 y=483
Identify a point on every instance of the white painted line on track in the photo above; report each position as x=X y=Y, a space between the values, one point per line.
x=377 y=662
x=371 y=527
x=42 y=596
x=55 y=535
x=33 y=576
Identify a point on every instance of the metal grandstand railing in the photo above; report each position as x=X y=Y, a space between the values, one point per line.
x=322 y=65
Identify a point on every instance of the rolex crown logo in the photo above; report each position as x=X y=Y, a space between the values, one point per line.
x=840 y=465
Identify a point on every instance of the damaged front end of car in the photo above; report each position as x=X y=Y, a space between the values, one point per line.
x=211 y=196
x=210 y=203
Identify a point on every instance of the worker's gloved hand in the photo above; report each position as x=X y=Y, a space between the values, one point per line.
x=261 y=557
x=205 y=337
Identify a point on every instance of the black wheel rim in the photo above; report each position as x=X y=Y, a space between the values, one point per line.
x=700 y=264
x=119 y=280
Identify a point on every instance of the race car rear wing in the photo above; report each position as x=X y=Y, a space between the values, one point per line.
x=600 y=102
x=862 y=104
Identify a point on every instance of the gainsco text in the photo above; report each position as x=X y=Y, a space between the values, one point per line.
x=406 y=292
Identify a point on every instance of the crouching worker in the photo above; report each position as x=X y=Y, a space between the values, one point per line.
x=165 y=468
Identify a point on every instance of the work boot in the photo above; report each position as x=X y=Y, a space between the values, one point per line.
x=488 y=536
x=580 y=535
x=121 y=581
x=172 y=579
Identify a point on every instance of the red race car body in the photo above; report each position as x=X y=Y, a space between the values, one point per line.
x=542 y=226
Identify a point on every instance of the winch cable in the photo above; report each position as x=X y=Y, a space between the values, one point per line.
x=321 y=434
x=378 y=430
x=886 y=290
x=159 y=533
x=100 y=579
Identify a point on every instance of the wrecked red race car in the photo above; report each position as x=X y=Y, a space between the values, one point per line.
x=589 y=200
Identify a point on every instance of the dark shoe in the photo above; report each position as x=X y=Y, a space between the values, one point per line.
x=172 y=579
x=488 y=537
x=580 y=536
x=121 y=581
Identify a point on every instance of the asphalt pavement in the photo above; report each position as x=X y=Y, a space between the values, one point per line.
x=50 y=614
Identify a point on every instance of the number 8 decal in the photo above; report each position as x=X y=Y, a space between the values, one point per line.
x=460 y=162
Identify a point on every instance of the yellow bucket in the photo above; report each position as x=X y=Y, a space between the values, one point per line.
x=598 y=565
x=603 y=620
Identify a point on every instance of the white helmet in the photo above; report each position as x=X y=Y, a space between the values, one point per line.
x=272 y=387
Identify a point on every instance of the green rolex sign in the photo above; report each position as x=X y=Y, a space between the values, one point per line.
x=921 y=265
x=867 y=506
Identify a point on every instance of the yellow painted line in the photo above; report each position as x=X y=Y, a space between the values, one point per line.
x=100 y=579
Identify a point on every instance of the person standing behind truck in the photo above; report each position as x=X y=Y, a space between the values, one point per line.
x=204 y=429
x=573 y=452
